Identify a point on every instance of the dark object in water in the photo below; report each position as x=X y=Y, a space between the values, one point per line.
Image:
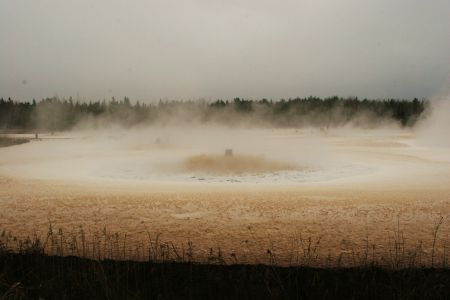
x=228 y=152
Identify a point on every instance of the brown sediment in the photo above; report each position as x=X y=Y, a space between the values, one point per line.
x=244 y=221
x=236 y=164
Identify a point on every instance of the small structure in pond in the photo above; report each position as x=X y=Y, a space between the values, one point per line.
x=228 y=152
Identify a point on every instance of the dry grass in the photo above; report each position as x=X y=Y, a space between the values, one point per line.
x=96 y=265
x=303 y=251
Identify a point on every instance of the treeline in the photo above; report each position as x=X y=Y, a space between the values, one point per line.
x=54 y=114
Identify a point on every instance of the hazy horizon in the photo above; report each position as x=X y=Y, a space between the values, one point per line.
x=151 y=50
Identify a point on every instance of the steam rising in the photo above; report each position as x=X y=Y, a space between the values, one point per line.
x=434 y=129
x=174 y=152
x=169 y=154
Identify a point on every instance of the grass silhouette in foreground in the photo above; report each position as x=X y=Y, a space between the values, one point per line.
x=67 y=266
x=34 y=276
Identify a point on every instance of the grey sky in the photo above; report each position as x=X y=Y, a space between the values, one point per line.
x=189 y=49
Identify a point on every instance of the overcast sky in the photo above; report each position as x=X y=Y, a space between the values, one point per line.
x=190 y=49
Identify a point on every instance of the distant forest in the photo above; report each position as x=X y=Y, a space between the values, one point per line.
x=54 y=114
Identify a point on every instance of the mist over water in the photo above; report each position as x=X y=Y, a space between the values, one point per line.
x=197 y=155
x=178 y=147
x=161 y=152
x=434 y=129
